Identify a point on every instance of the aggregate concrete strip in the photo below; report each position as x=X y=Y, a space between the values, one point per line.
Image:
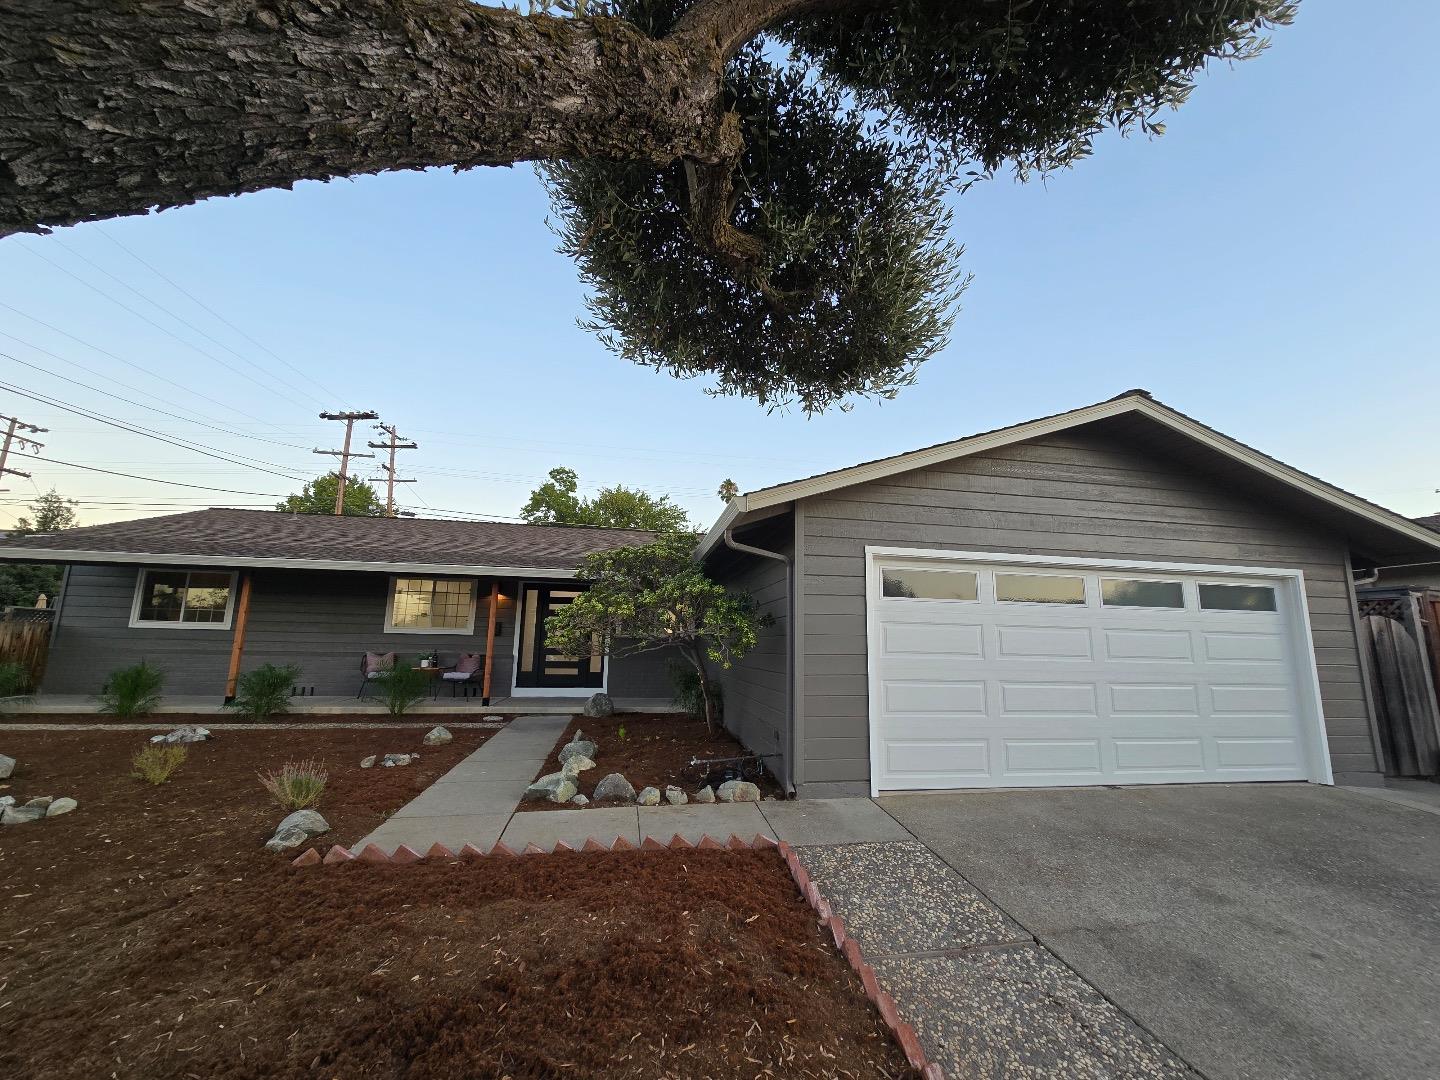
x=1017 y=1011
x=901 y=898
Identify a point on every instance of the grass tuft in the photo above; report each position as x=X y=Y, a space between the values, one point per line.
x=297 y=785
x=156 y=763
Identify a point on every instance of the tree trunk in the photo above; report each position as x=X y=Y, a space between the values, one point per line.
x=110 y=108
x=696 y=655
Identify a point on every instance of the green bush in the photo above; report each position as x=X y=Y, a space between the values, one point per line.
x=14 y=685
x=401 y=688
x=297 y=785
x=132 y=691
x=265 y=691
x=156 y=762
x=686 y=682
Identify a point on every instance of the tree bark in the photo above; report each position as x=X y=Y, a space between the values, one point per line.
x=110 y=108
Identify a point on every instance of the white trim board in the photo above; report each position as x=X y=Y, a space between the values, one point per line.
x=1293 y=604
x=1130 y=403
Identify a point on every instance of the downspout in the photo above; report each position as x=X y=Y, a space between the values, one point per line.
x=746 y=549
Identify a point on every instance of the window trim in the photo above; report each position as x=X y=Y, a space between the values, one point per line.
x=973 y=574
x=468 y=630
x=137 y=623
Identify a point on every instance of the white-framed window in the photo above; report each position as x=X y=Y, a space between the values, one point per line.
x=430 y=605
x=184 y=599
x=912 y=584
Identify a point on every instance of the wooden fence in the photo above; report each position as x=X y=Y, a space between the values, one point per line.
x=1401 y=629
x=25 y=639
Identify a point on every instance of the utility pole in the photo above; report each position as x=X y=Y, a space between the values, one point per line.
x=19 y=442
x=394 y=442
x=345 y=453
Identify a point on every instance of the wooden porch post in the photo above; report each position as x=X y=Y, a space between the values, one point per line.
x=490 y=642
x=237 y=646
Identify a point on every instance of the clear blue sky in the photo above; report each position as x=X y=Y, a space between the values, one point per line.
x=1268 y=266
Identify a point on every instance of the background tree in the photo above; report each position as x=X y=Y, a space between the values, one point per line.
x=558 y=502
x=318 y=497
x=753 y=189
x=22 y=583
x=656 y=597
x=728 y=490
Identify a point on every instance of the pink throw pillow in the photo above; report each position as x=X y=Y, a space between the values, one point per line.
x=468 y=664
x=379 y=662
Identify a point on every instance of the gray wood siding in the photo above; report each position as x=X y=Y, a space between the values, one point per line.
x=1081 y=493
x=755 y=687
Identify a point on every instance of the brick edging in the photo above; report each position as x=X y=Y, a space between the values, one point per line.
x=848 y=946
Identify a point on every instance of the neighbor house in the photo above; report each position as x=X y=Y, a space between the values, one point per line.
x=1113 y=595
x=209 y=594
x=1420 y=575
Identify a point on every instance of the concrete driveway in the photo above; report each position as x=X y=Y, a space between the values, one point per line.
x=1264 y=930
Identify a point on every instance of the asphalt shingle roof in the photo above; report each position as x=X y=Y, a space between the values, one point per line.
x=269 y=534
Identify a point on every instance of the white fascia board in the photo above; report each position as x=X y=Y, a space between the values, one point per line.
x=141 y=558
x=977 y=444
x=733 y=510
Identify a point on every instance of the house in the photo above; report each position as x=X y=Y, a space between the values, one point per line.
x=209 y=594
x=1113 y=595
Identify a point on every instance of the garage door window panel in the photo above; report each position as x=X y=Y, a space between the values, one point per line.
x=1141 y=593
x=1039 y=589
x=1237 y=598
x=899 y=583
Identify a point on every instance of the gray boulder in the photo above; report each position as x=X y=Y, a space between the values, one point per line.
x=705 y=795
x=42 y=801
x=187 y=734
x=309 y=820
x=367 y=762
x=738 y=791
x=555 y=787
x=575 y=764
x=6 y=800
x=599 y=705
x=20 y=815
x=648 y=797
x=286 y=840
x=579 y=800
x=7 y=767
x=578 y=747
x=437 y=736
x=60 y=806
x=389 y=761
x=614 y=786
x=674 y=796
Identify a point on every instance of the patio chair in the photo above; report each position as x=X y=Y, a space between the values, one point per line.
x=466 y=674
x=374 y=666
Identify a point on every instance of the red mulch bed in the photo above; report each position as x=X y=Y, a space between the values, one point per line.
x=219 y=720
x=147 y=935
x=656 y=751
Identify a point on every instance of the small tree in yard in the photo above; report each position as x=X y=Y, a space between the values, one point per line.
x=656 y=597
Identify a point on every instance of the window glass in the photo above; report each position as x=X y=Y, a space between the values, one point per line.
x=1237 y=598
x=431 y=604
x=1039 y=589
x=928 y=584
x=1136 y=592
x=176 y=596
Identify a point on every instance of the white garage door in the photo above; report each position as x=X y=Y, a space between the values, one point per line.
x=987 y=672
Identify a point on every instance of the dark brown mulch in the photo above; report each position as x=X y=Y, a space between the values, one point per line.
x=655 y=751
x=218 y=720
x=147 y=935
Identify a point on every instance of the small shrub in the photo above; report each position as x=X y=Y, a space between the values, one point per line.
x=265 y=691
x=401 y=688
x=620 y=733
x=297 y=785
x=132 y=691
x=156 y=762
x=14 y=685
x=686 y=681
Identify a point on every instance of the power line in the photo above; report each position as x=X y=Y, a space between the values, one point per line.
x=392 y=444
x=155 y=480
x=13 y=426
x=345 y=454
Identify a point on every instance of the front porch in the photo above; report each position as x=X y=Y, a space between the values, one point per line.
x=341 y=704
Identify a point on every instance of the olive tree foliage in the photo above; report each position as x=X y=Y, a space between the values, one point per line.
x=755 y=191
x=656 y=596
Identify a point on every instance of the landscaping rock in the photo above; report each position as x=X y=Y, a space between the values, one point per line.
x=367 y=762
x=6 y=800
x=674 y=796
x=738 y=791
x=614 y=786
x=42 y=801
x=60 y=806
x=579 y=800
x=437 y=736
x=286 y=840
x=309 y=820
x=389 y=761
x=20 y=815
x=578 y=747
x=648 y=797
x=575 y=764
x=7 y=767
x=554 y=787
x=599 y=705
x=187 y=734
x=705 y=795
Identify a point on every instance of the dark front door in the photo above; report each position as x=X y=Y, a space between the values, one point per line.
x=541 y=667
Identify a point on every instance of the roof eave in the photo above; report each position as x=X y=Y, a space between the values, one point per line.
x=135 y=558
